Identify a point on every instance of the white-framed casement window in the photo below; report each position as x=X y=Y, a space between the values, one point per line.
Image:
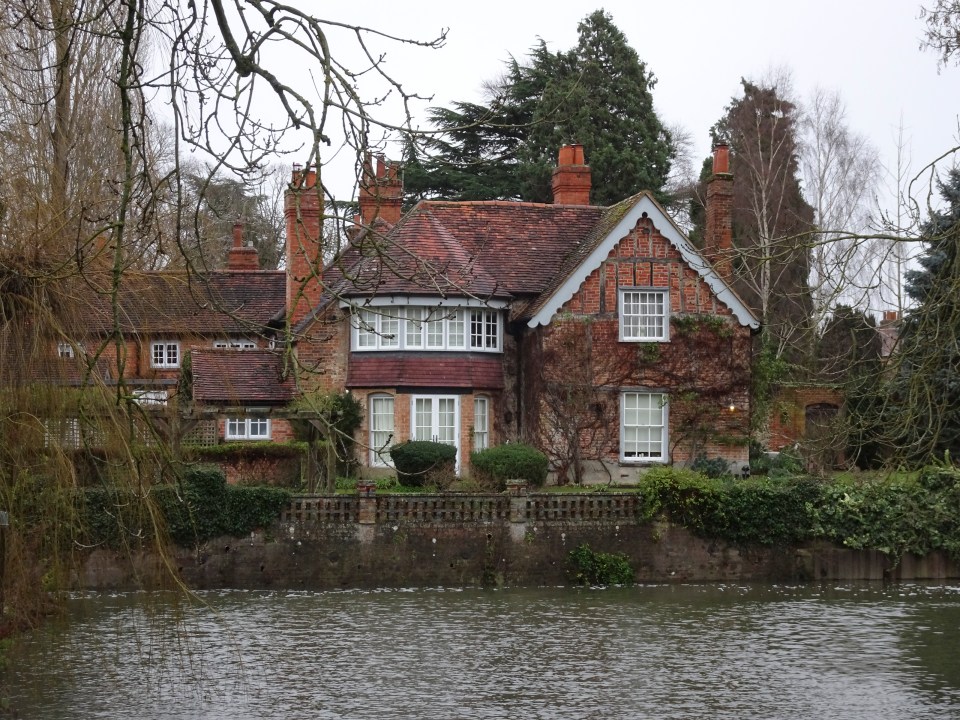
x=150 y=397
x=481 y=423
x=427 y=328
x=377 y=329
x=164 y=354
x=250 y=428
x=62 y=432
x=644 y=315
x=484 y=330
x=234 y=344
x=435 y=418
x=65 y=350
x=643 y=427
x=381 y=429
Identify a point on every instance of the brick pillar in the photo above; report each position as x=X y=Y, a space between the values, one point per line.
x=718 y=246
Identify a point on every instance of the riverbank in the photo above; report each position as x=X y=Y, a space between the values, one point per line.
x=331 y=542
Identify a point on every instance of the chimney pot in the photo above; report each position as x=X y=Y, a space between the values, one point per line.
x=721 y=159
x=571 y=177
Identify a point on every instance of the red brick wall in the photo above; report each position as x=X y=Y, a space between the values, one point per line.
x=788 y=411
x=323 y=352
x=704 y=369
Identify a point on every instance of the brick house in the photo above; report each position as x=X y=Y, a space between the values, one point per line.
x=599 y=334
x=222 y=325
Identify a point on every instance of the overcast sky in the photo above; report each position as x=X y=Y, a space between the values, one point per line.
x=699 y=50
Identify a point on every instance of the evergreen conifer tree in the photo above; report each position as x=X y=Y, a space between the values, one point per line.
x=597 y=94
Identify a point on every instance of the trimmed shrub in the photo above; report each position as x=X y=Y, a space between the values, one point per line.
x=586 y=567
x=514 y=461
x=419 y=462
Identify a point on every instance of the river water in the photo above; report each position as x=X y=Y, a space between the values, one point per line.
x=693 y=651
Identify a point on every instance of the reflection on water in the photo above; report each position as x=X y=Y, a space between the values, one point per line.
x=643 y=652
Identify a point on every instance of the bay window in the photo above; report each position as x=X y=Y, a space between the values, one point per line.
x=427 y=328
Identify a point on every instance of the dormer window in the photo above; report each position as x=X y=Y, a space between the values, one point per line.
x=643 y=316
x=165 y=354
x=65 y=350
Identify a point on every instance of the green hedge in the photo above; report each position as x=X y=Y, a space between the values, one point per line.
x=199 y=507
x=897 y=515
x=514 y=461
x=418 y=461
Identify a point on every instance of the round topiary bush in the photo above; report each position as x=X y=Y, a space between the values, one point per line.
x=419 y=461
x=514 y=461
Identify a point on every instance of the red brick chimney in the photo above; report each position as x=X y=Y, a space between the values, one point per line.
x=718 y=245
x=302 y=208
x=571 y=177
x=242 y=257
x=381 y=194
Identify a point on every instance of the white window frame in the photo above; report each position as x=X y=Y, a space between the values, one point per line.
x=481 y=423
x=65 y=350
x=247 y=428
x=427 y=328
x=640 y=318
x=647 y=428
x=435 y=420
x=382 y=432
x=165 y=358
x=150 y=397
x=234 y=344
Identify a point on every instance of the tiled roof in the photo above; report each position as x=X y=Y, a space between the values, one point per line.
x=425 y=370
x=71 y=371
x=217 y=303
x=240 y=376
x=489 y=250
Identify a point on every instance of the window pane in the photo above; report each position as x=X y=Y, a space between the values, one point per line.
x=435 y=331
x=259 y=428
x=423 y=419
x=643 y=315
x=366 y=329
x=455 y=330
x=642 y=427
x=381 y=428
x=414 y=327
x=447 y=421
x=491 y=331
x=480 y=424
x=389 y=329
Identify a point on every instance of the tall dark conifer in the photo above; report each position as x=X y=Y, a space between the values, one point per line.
x=771 y=221
x=597 y=94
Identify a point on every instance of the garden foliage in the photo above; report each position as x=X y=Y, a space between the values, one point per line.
x=420 y=461
x=514 y=461
x=588 y=567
